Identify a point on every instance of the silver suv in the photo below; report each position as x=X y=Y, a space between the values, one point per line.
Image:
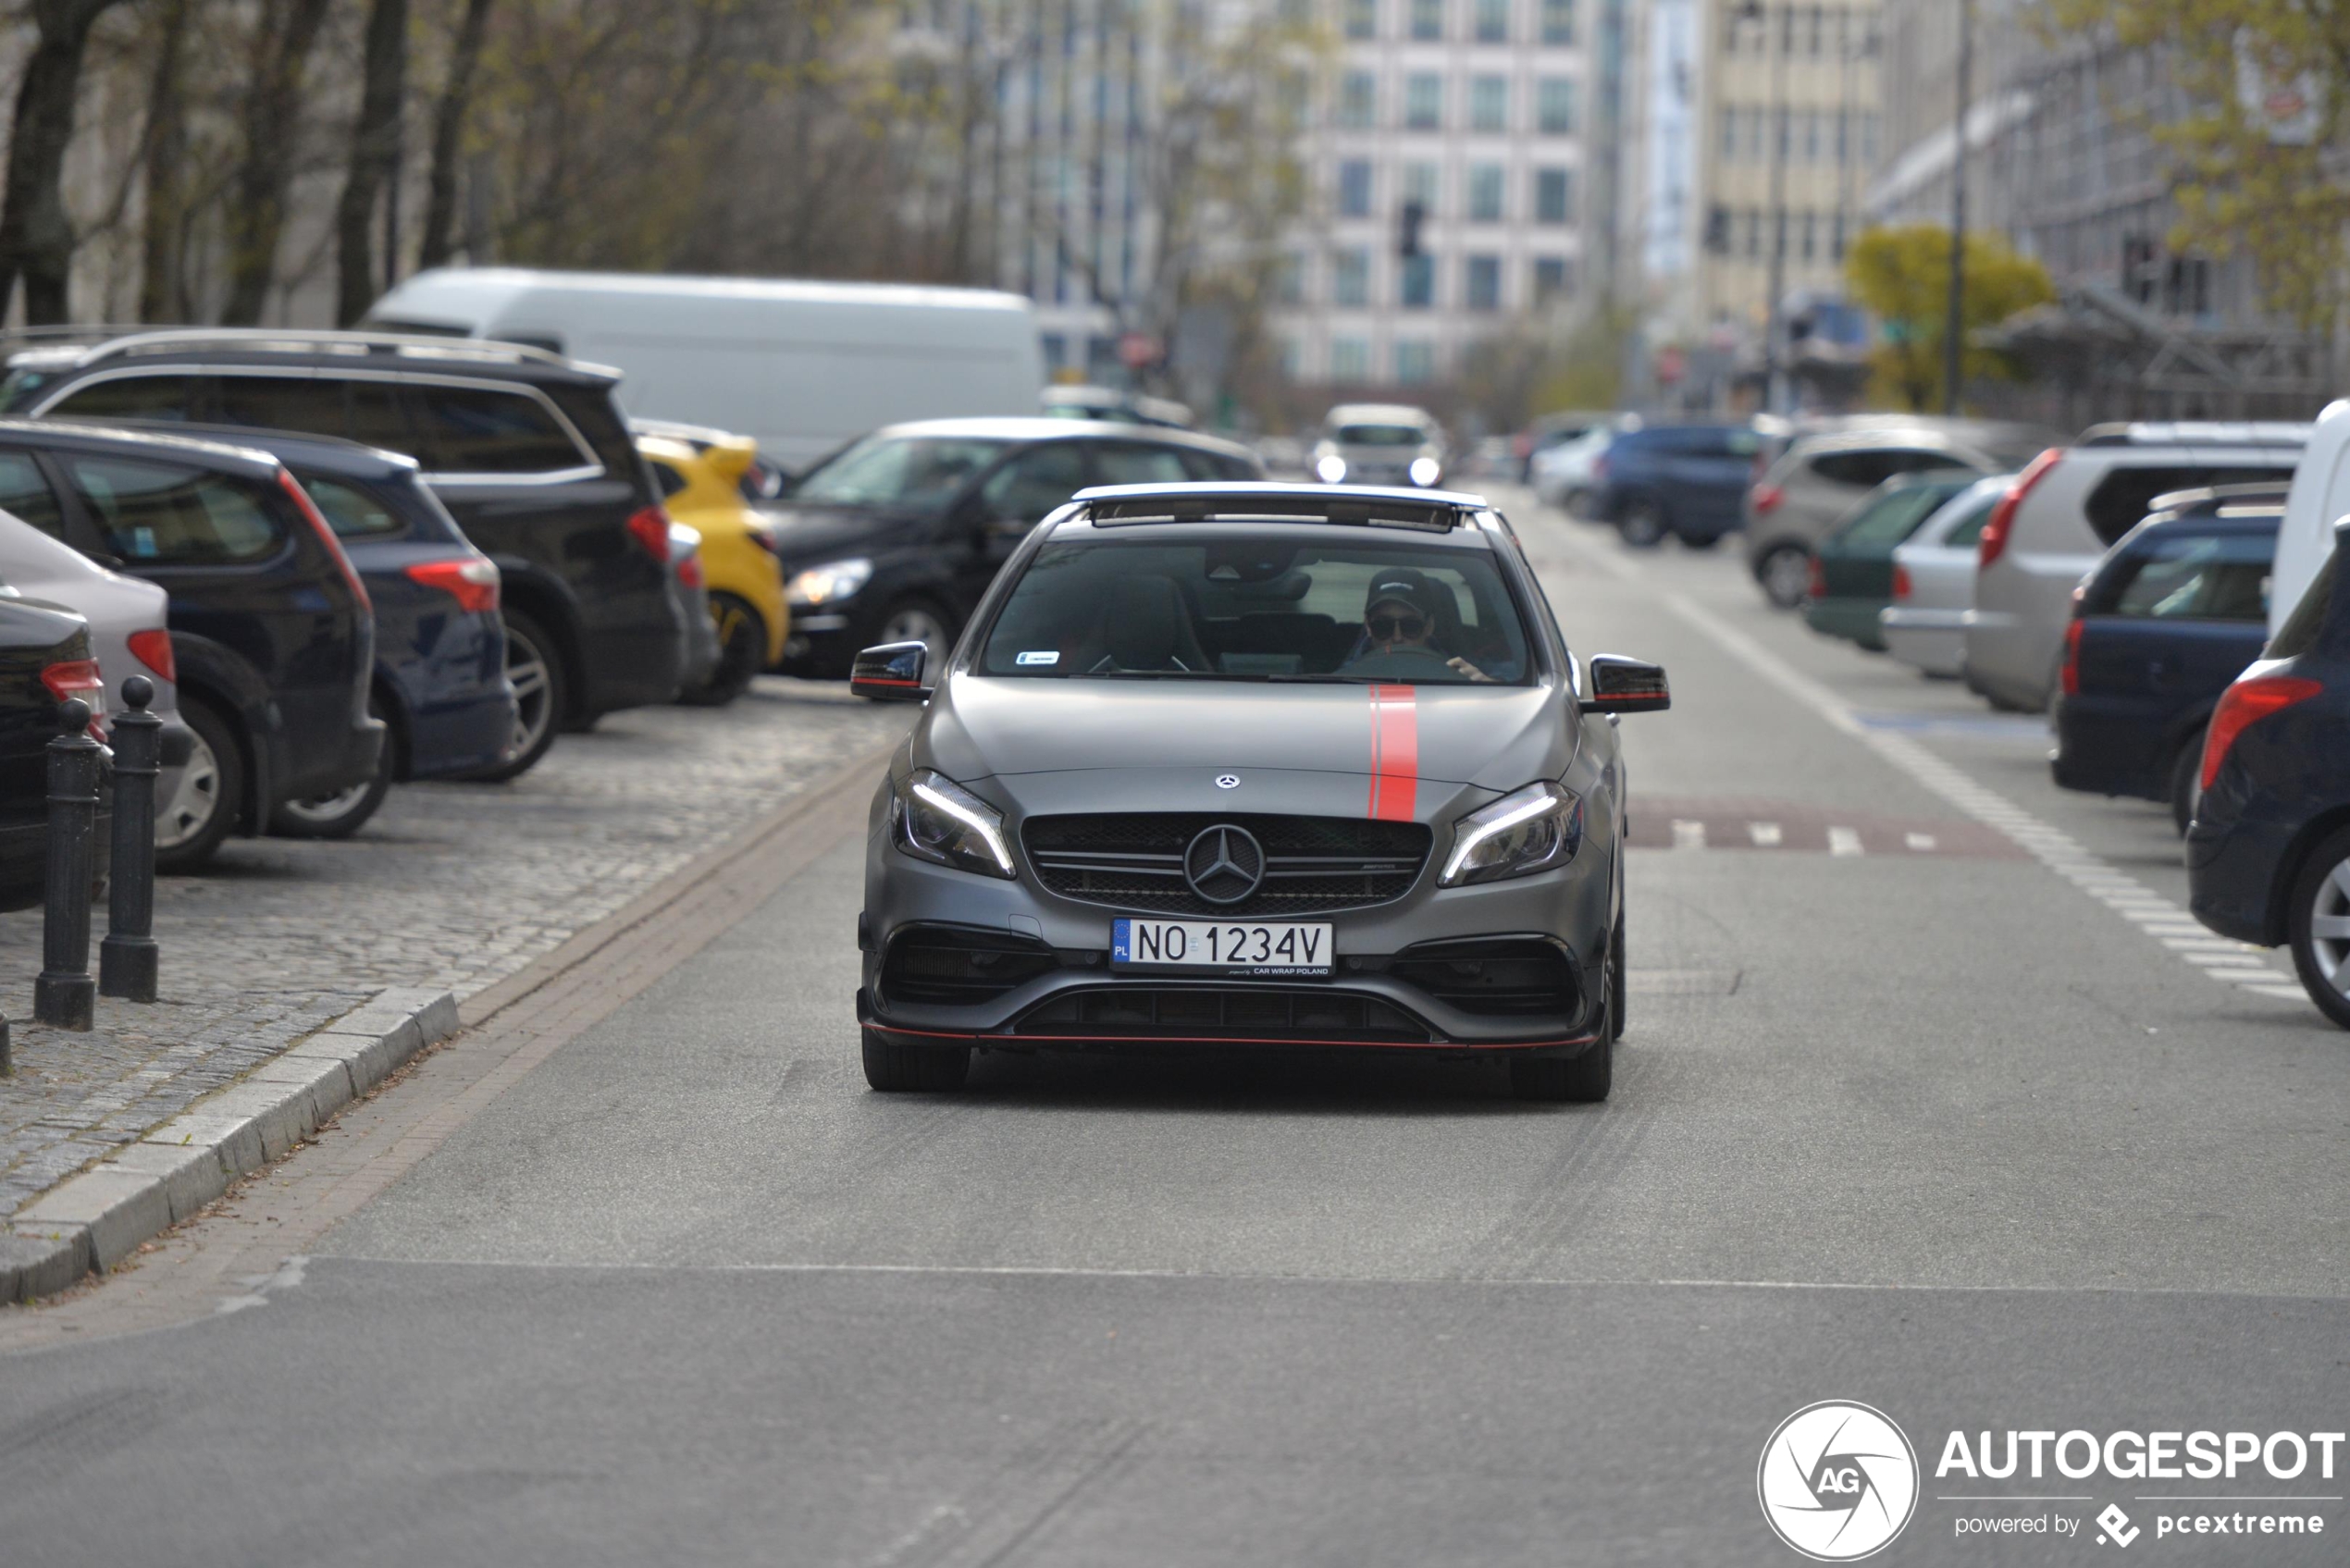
x=2065 y=510
x=1821 y=478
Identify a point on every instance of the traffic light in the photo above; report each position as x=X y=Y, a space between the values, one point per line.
x=1407 y=237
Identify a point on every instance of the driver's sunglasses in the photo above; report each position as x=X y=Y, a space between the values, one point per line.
x=1385 y=628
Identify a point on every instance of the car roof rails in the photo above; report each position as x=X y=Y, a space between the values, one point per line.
x=1430 y=511
x=2196 y=433
x=292 y=339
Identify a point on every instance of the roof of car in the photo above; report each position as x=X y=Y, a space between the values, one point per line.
x=1929 y=432
x=355 y=459
x=249 y=460
x=1043 y=428
x=1429 y=511
x=2197 y=433
x=1375 y=413
x=317 y=348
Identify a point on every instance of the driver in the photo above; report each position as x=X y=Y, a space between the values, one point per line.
x=1399 y=616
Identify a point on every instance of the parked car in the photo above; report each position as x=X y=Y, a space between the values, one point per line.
x=803 y=366
x=761 y=479
x=699 y=484
x=1924 y=623
x=272 y=634
x=1564 y=476
x=2067 y=510
x=128 y=617
x=2160 y=626
x=441 y=684
x=2321 y=498
x=1550 y=431
x=1811 y=485
x=895 y=539
x=703 y=651
x=527 y=450
x=2269 y=851
x=1681 y=480
x=1380 y=444
x=44 y=659
x=1853 y=568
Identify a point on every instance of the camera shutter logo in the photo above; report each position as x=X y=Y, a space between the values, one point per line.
x=1838 y=1481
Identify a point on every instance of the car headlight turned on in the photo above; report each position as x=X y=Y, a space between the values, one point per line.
x=932 y=818
x=1426 y=471
x=830 y=583
x=1330 y=468
x=1535 y=829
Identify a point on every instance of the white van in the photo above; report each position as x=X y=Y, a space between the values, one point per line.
x=803 y=366
x=2319 y=499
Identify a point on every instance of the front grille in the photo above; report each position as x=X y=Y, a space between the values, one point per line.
x=1204 y=1012
x=1313 y=865
x=949 y=966
x=1512 y=979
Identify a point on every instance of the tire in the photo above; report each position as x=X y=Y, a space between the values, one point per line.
x=1584 y=1078
x=2186 y=776
x=1709 y=541
x=202 y=810
x=1784 y=573
x=897 y=1070
x=918 y=620
x=1616 y=986
x=535 y=658
x=343 y=813
x=742 y=652
x=1642 y=524
x=2318 y=925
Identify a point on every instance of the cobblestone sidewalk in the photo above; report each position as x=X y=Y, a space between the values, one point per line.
x=452 y=886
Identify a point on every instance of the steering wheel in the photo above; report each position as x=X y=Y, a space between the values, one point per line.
x=1405 y=664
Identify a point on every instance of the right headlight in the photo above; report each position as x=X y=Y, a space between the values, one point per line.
x=932 y=818
x=1535 y=829
x=833 y=581
x=1330 y=468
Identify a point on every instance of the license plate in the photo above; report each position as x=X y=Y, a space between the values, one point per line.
x=1228 y=948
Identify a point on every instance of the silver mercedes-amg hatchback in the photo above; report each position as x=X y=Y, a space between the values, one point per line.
x=1251 y=767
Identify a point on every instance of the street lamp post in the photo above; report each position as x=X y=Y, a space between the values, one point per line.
x=1954 y=325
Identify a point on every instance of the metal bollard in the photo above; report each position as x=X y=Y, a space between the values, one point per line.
x=127 y=957
x=64 y=995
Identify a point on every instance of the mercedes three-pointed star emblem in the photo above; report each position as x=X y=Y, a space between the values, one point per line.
x=1224 y=864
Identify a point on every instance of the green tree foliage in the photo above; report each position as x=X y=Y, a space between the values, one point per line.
x=2257 y=155
x=1903 y=274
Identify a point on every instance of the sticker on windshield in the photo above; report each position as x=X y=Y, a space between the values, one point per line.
x=1048 y=657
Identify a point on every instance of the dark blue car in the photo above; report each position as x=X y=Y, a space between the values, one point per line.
x=1685 y=480
x=441 y=682
x=2268 y=852
x=2173 y=612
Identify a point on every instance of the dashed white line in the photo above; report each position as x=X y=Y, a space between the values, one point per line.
x=1687 y=834
x=1921 y=842
x=1844 y=841
x=1765 y=834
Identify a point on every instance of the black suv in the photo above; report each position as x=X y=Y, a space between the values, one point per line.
x=527 y=450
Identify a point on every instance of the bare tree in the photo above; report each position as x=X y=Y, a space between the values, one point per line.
x=163 y=230
x=449 y=116
x=375 y=154
x=272 y=116
x=36 y=232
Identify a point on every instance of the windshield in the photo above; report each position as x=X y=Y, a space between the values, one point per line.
x=916 y=473
x=1379 y=435
x=1892 y=517
x=1260 y=607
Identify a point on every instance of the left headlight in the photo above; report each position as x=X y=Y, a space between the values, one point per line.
x=1330 y=468
x=832 y=581
x=932 y=818
x=1426 y=471
x=1535 y=829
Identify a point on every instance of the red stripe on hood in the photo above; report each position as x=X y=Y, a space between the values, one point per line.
x=1395 y=753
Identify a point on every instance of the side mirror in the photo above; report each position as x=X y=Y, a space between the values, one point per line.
x=1626 y=685
x=892 y=672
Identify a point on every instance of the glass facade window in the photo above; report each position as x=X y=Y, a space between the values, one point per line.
x=1552 y=279
x=1357 y=101
x=1415 y=362
x=1558 y=21
x=1484 y=193
x=1289 y=282
x=1355 y=188
x=1492 y=21
x=1421 y=184
x=1350 y=359
x=1427 y=20
x=1490 y=102
x=1423 y=101
x=1555 y=196
x=1418 y=282
x=1482 y=285
x=1350 y=277
x=1555 y=105
x=1362 y=18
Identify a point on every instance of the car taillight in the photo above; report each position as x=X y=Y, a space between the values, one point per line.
x=2244 y=704
x=318 y=525
x=2070 y=676
x=1900 y=581
x=650 y=530
x=1765 y=500
x=1994 y=542
x=153 y=649
x=1819 y=579
x=473 y=582
x=689 y=571
x=79 y=677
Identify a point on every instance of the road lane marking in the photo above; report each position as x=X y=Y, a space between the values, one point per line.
x=1687 y=834
x=1921 y=842
x=1765 y=834
x=1844 y=841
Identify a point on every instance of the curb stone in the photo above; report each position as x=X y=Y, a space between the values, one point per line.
x=90 y=1222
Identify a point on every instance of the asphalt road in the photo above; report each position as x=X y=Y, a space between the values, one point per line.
x=1921 y=1105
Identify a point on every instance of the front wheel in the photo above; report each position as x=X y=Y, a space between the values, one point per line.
x=203 y=808
x=343 y=813
x=1785 y=575
x=2321 y=925
x=895 y=1069
x=1642 y=525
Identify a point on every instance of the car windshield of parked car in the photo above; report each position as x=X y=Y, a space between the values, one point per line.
x=1885 y=519
x=1380 y=435
x=1286 y=607
x=907 y=472
x=2194 y=578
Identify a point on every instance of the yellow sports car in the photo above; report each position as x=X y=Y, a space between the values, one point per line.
x=700 y=474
